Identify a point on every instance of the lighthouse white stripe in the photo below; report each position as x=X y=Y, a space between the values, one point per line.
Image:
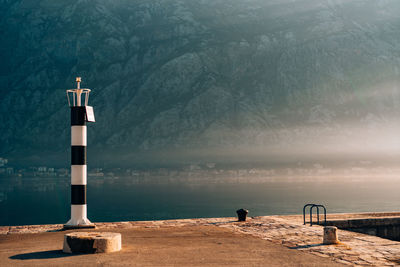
x=78 y=135
x=78 y=215
x=78 y=174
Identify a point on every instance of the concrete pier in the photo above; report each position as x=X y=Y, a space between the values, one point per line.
x=278 y=240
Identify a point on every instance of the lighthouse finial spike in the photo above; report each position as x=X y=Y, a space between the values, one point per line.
x=78 y=80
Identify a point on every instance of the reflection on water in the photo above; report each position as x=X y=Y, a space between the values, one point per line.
x=46 y=200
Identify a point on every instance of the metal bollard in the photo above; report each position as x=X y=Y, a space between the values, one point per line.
x=242 y=213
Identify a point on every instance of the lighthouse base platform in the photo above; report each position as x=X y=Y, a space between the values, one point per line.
x=91 y=242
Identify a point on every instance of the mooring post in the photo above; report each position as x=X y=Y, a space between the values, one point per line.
x=80 y=114
x=330 y=235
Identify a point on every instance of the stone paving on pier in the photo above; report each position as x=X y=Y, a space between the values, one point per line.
x=354 y=248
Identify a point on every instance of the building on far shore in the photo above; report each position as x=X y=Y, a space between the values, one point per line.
x=3 y=162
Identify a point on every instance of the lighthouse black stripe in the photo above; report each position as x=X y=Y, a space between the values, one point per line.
x=78 y=194
x=78 y=155
x=78 y=115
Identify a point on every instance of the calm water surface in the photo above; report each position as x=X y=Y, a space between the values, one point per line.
x=46 y=200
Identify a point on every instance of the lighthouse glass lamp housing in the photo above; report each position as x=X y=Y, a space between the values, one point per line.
x=80 y=114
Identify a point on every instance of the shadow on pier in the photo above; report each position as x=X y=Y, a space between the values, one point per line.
x=307 y=246
x=49 y=254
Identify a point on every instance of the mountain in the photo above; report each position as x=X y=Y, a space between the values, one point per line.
x=213 y=78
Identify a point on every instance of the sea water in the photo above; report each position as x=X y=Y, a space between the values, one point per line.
x=36 y=200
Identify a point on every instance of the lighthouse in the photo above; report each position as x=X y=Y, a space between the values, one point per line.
x=81 y=113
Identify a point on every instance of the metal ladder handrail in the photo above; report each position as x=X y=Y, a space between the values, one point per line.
x=311 y=213
x=318 y=206
x=304 y=212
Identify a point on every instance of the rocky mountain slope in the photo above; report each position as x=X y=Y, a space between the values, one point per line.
x=208 y=77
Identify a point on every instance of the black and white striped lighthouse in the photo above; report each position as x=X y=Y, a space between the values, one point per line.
x=80 y=114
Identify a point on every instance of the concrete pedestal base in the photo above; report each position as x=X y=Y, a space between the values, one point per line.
x=330 y=235
x=92 y=242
